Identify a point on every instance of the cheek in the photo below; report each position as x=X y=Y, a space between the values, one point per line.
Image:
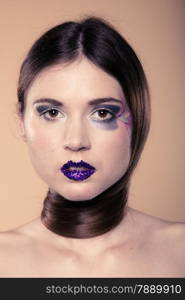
x=115 y=145
x=41 y=142
x=37 y=138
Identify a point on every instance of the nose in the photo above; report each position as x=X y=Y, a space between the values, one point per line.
x=76 y=138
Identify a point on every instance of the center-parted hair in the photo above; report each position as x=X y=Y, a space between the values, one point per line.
x=98 y=41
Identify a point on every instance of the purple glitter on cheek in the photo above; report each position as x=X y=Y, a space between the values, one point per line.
x=127 y=120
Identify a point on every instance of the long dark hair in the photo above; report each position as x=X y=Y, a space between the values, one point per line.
x=100 y=42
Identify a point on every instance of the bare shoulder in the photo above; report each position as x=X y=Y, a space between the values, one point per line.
x=168 y=235
x=17 y=250
x=159 y=226
x=10 y=247
x=15 y=241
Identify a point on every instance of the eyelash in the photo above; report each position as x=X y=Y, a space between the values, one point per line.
x=113 y=116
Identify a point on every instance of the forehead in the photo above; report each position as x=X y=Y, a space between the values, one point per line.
x=80 y=80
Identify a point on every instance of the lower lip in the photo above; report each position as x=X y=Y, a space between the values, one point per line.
x=78 y=175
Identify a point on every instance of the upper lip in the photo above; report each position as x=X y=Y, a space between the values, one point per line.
x=79 y=164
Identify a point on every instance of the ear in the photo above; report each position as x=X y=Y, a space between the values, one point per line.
x=20 y=123
x=21 y=128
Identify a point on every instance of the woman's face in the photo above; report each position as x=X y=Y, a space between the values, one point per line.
x=80 y=124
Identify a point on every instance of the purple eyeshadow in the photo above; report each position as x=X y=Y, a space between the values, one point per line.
x=42 y=108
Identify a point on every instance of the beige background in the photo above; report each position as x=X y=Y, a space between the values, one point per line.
x=155 y=29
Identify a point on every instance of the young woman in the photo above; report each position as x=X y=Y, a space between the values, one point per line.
x=84 y=112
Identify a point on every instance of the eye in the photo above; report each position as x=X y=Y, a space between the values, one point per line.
x=103 y=115
x=51 y=114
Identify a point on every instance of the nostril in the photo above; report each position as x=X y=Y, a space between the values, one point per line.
x=75 y=148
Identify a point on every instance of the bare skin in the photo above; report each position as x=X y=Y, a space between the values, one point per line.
x=141 y=246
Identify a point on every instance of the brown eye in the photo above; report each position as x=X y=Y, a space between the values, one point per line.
x=102 y=113
x=53 y=113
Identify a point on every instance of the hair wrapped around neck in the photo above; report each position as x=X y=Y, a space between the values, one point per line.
x=85 y=219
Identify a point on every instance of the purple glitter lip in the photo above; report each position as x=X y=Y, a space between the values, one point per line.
x=76 y=174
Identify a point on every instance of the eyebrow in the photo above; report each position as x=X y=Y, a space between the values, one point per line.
x=92 y=102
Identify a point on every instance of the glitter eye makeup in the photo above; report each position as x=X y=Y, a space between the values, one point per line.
x=114 y=108
x=42 y=108
x=104 y=115
x=116 y=113
x=125 y=117
x=127 y=120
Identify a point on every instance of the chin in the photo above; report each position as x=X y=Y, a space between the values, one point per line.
x=77 y=197
x=78 y=194
x=73 y=199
